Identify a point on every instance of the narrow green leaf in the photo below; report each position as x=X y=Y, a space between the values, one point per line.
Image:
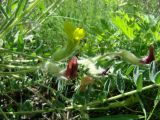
x=20 y=7
x=7 y=24
x=20 y=44
x=14 y=6
x=137 y=77
x=9 y=7
x=42 y=5
x=157 y=78
x=139 y=82
x=13 y=21
x=3 y=11
x=120 y=82
x=142 y=106
x=152 y=71
x=129 y=70
x=157 y=99
x=136 y=74
x=69 y=29
x=107 y=86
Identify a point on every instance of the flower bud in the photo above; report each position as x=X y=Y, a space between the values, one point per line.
x=72 y=67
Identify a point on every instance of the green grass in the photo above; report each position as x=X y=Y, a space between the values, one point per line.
x=118 y=34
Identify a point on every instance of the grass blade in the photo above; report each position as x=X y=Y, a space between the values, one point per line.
x=3 y=11
x=20 y=7
x=8 y=7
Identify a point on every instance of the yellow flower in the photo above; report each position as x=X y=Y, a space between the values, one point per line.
x=78 y=34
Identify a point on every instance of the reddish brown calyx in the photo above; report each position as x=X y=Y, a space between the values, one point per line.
x=72 y=68
x=151 y=57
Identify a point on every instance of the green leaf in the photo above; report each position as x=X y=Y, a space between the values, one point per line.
x=119 y=117
x=69 y=29
x=8 y=7
x=152 y=71
x=157 y=77
x=129 y=70
x=1 y=43
x=3 y=11
x=137 y=77
x=120 y=82
x=139 y=82
x=123 y=26
x=42 y=5
x=27 y=105
x=157 y=99
x=107 y=86
x=20 y=7
x=34 y=54
x=135 y=74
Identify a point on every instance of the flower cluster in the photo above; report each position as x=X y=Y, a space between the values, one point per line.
x=78 y=34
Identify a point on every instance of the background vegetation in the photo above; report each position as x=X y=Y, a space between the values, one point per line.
x=33 y=87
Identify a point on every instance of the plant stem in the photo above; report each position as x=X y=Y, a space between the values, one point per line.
x=123 y=95
x=20 y=72
x=21 y=53
x=156 y=102
x=116 y=104
x=16 y=67
x=4 y=114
